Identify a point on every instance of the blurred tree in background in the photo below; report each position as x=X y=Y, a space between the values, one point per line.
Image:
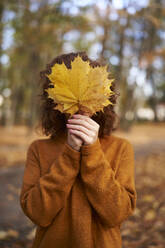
x=128 y=35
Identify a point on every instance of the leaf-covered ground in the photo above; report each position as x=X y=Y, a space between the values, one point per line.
x=144 y=229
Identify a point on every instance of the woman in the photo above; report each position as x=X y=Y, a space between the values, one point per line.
x=78 y=185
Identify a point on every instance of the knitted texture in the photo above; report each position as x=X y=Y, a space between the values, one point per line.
x=79 y=199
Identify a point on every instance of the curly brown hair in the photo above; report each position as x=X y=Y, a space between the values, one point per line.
x=52 y=122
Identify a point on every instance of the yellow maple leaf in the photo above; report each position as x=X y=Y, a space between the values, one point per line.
x=80 y=88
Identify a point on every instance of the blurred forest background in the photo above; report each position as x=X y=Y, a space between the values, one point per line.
x=130 y=36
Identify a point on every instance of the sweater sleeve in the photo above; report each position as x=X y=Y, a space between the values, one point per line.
x=113 y=197
x=42 y=197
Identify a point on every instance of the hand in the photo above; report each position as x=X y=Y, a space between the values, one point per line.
x=84 y=127
x=74 y=141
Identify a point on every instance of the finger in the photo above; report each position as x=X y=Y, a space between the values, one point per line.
x=87 y=118
x=82 y=135
x=81 y=122
x=76 y=138
x=81 y=128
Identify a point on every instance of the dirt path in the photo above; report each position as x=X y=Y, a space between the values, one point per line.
x=15 y=227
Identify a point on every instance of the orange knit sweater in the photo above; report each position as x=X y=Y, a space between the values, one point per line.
x=78 y=199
